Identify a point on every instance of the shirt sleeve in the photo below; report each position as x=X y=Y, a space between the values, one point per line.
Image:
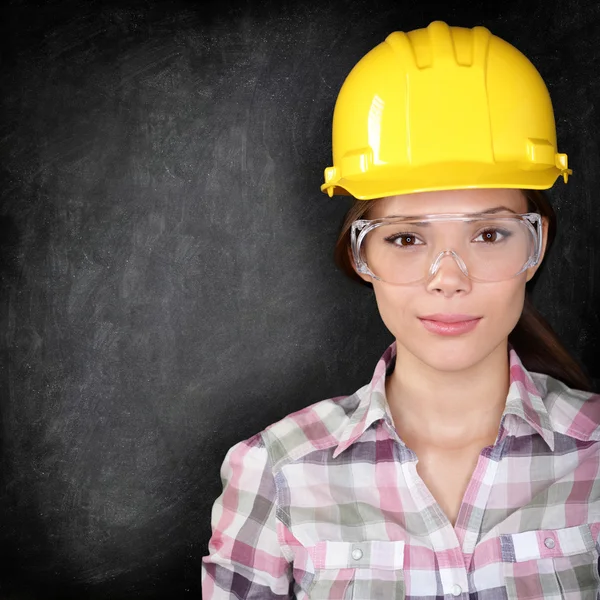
x=245 y=559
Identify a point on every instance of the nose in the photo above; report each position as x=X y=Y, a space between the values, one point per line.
x=448 y=275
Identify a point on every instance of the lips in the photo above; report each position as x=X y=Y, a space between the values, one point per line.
x=449 y=324
x=449 y=318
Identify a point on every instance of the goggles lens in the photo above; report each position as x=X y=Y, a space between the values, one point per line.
x=401 y=251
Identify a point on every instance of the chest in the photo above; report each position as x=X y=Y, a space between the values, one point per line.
x=365 y=525
x=446 y=476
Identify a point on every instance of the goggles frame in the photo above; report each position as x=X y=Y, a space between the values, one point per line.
x=361 y=227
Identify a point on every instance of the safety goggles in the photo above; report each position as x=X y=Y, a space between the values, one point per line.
x=409 y=250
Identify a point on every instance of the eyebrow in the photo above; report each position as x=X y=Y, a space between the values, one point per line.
x=488 y=211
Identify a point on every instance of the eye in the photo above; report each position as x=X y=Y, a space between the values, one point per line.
x=492 y=235
x=404 y=240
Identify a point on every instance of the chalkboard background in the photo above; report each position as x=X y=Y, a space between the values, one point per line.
x=168 y=287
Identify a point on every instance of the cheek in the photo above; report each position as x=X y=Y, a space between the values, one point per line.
x=397 y=305
x=509 y=304
x=503 y=303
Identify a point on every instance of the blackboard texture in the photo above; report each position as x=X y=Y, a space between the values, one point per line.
x=168 y=286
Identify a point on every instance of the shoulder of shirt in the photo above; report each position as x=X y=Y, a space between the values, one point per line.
x=572 y=412
x=316 y=427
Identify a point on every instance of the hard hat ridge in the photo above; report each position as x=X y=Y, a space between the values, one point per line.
x=441 y=44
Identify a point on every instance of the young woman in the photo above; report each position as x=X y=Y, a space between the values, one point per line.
x=469 y=466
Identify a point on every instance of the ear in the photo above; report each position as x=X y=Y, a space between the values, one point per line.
x=363 y=276
x=533 y=270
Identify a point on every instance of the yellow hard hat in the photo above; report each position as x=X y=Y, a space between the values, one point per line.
x=443 y=108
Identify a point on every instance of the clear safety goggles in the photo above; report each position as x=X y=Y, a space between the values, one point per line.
x=409 y=250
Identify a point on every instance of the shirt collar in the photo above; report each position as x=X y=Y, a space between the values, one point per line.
x=523 y=400
x=372 y=406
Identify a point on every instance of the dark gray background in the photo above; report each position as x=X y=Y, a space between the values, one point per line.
x=166 y=264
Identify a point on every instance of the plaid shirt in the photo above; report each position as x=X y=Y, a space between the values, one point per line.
x=327 y=504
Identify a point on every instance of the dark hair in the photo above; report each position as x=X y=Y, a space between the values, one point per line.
x=533 y=338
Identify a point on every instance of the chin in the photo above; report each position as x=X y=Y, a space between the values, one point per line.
x=454 y=357
x=450 y=354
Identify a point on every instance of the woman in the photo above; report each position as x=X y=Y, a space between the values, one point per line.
x=469 y=465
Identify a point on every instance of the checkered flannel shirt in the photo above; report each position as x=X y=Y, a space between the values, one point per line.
x=327 y=504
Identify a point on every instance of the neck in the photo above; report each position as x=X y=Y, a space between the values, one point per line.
x=451 y=409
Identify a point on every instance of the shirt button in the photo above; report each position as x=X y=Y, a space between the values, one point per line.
x=456 y=590
x=549 y=543
x=357 y=554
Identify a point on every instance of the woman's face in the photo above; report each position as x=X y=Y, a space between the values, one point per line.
x=499 y=304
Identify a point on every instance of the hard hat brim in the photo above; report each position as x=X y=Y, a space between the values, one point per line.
x=391 y=181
